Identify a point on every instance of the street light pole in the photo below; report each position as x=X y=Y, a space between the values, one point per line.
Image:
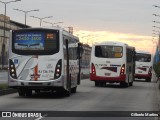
x=156 y=27
x=3 y=44
x=41 y=18
x=52 y=23
x=156 y=15
x=156 y=22
x=70 y=29
x=25 y=12
x=156 y=6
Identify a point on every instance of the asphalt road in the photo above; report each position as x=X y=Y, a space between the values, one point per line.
x=140 y=97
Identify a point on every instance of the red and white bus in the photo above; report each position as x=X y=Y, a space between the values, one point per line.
x=112 y=62
x=144 y=65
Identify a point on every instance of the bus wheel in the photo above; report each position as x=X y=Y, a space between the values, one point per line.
x=21 y=92
x=28 y=93
x=37 y=91
x=131 y=83
x=123 y=84
x=67 y=93
x=102 y=84
x=74 y=90
x=97 y=84
x=148 y=79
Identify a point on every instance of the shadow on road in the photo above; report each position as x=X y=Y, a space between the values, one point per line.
x=45 y=95
x=136 y=85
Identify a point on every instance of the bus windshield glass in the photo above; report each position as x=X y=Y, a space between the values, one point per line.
x=36 y=42
x=140 y=57
x=106 y=51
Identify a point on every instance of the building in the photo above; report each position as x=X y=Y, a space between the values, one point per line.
x=9 y=25
x=86 y=56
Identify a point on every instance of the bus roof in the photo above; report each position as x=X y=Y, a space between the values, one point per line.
x=112 y=43
x=117 y=43
x=145 y=52
x=54 y=28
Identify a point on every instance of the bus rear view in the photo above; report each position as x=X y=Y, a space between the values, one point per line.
x=109 y=64
x=143 y=66
x=40 y=59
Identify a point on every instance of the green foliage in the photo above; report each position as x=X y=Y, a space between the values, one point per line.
x=3 y=86
x=156 y=68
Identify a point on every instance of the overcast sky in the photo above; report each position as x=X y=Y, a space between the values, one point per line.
x=115 y=16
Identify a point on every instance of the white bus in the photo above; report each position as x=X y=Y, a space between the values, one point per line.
x=44 y=59
x=112 y=62
x=144 y=64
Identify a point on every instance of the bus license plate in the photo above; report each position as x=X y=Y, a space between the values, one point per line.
x=107 y=74
x=139 y=71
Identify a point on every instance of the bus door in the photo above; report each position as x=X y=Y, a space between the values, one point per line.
x=130 y=64
x=67 y=67
x=79 y=56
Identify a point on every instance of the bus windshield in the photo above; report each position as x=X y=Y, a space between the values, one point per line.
x=106 y=51
x=35 y=42
x=140 y=57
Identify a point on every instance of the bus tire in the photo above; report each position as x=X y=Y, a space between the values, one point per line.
x=37 y=91
x=21 y=92
x=97 y=84
x=102 y=84
x=131 y=83
x=67 y=93
x=123 y=84
x=148 y=79
x=74 y=89
x=132 y=79
x=28 y=93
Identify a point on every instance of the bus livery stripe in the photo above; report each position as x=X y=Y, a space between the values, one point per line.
x=113 y=69
x=36 y=73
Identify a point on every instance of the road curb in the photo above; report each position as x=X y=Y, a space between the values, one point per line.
x=7 y=91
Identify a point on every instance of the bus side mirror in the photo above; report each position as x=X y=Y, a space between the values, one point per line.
x=79 y=50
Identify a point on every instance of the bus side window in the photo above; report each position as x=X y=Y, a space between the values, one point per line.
x=98 y=51
x=64 y=48
x=148 y=59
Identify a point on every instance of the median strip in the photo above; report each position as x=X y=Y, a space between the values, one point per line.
x=7 y=91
